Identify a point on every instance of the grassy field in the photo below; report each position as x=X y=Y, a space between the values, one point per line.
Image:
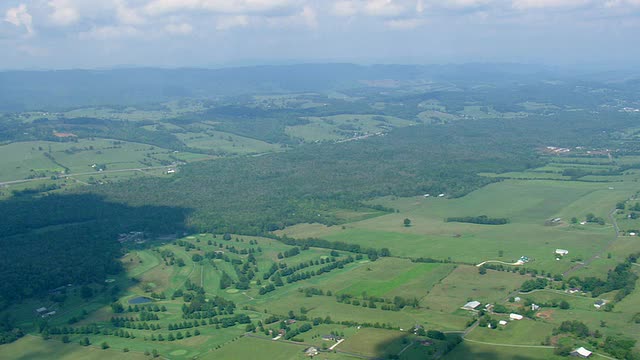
x=24 y=160
x=209 y=139
x=473 y=351
x=32 y=348
x=340 y=127
x=526 y=234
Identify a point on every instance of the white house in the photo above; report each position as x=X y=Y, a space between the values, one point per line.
x=562 y=252
x=502 y=322
x=513 y=316
x=600 y=303
x=534 y=307
x=581 y=352
x=471 y=305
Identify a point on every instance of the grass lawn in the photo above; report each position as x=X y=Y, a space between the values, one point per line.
x=473 y=351
x=33 y=348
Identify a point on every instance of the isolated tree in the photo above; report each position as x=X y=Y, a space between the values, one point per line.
x=407 y=222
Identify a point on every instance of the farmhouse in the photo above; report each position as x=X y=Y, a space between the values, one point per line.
x=573 y=290
x=562 y=252
x=581 y=352
x=311 y=352
x=600 y=303
x=330 y=337
x=513 y=316
x=471 y=305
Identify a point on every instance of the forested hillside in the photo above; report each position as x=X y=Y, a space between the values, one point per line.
x=254 y=195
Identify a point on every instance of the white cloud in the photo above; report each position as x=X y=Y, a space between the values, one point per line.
x=19 y=16
x=344 y=8
x=306 y=17
x=541 y=4
x=64 y=12
x=157 y=7
x=110 y=32
x=617 y=3
x=404 y=24
x=230 y=22
x=380 y=8
x=462 y=4
x=179 y=29
x=384 y=8
x=128 y=15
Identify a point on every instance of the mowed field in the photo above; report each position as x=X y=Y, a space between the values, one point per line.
x=34 y=348
x=526 y=203
x=23 y=160
x=344 y=126
x=473 y=351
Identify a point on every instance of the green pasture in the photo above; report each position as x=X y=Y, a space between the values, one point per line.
x=23 y=160
x=465 y=284
x=343 y=126
x=527 y=204
x=473 y=351
x=33 y=348
x=225 y=142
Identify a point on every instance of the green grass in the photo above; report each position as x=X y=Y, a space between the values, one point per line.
x=228 y=143
x=465 y=284
x=33 y=348
x=23 y=160
x=528 y=204
x=339 y=127
x=472 y=351
x=382 y=286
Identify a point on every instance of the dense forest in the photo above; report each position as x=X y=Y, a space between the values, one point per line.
x=58 y=240
x=254 y=195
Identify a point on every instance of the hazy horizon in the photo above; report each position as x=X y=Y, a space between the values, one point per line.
x=66 y=34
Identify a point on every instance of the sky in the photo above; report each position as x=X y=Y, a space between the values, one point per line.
x=62 y=34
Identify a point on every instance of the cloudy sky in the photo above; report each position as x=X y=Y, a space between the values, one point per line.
x=105 y=33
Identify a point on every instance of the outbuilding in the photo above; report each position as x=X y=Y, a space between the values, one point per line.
x=471 y=305
x=581 y=352
x=514 y=316
x=562 y=252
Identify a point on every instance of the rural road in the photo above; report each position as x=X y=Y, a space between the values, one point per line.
x=86 y=173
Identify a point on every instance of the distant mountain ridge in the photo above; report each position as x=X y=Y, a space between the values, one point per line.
x=61 y=89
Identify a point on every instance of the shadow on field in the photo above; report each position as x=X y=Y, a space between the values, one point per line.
x=57 y=240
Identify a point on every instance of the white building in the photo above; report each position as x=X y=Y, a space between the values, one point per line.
x=581 y=352
x=562 y=252
x=513 y=316
x=471 y=305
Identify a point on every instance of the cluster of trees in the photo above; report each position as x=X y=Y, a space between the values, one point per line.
x=621 y=278
x=534 y=284
x=57 y=240
x=482 y=219
x=256 y=195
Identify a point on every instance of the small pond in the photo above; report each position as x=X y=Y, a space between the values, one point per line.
x=140 y=300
